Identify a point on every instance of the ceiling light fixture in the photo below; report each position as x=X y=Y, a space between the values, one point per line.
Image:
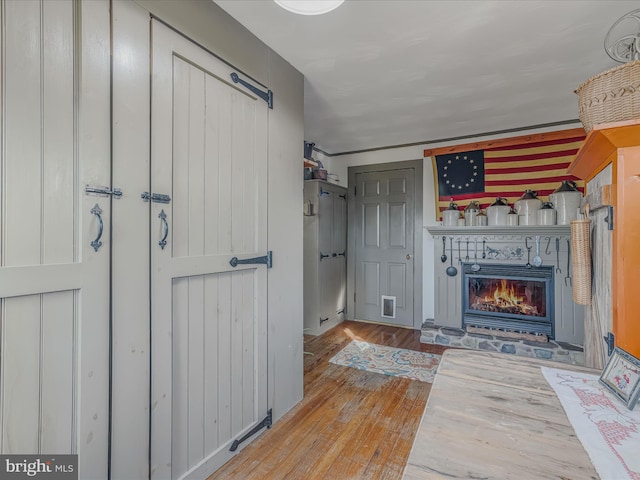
x=627 y=47
x=309 y=7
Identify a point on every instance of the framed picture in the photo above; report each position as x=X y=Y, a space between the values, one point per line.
x=622 y=377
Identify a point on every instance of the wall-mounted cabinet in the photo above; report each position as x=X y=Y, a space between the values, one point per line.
x=325 y=245
x=618 y=145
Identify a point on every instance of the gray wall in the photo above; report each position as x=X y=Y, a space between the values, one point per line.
x=339 y=166
x=285 y=235
x=210 y=26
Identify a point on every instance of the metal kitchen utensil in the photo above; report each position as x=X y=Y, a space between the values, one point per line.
x=459 y=253
x=451 y=270
x=558 y=269
x=537 y=260
x=443 y=257
x=467 y=257
x=568 y=276
x=526 y=244
x=484 y=249
x=546 y=250
x=475 y=267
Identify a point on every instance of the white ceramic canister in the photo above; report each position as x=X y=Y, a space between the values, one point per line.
x=451 y=215
x=461 y=222
x=527 y=207
x=470 y=213
x=529 y=219
x=566 y=199
x=481 y=219
x=497 y=212
x=546 y=214
x=512 y=218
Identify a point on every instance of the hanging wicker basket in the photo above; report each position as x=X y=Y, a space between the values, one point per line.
x=611 y=96
x=581 y=261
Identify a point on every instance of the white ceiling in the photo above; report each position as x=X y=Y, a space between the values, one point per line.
x=395 y=72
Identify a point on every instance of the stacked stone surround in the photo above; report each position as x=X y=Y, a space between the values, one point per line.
x=456 y=337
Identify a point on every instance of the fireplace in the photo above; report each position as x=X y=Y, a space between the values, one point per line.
x=511 y=298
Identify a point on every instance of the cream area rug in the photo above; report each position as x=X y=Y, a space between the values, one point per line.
x=397 y=362
x=608 y=431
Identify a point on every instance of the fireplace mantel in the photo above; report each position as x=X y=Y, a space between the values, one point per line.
x=520 y=230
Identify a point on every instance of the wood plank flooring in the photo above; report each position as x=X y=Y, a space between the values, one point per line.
x=351 y=424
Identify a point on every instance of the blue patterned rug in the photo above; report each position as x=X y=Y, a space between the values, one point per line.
x=396 y=362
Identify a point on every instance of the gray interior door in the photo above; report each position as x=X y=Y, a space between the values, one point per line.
x=384 y=246
x=54 y=235
x=340 y=249
x=332 y=208
x=326 y=267
x=208 y=315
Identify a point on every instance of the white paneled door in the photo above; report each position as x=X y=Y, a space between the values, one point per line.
x=209 y=358
x=54 y=284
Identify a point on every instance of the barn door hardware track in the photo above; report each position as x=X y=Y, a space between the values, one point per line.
x=266 y=96
x=267 y=422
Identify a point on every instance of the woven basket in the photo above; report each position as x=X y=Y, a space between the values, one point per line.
x=581 y=261
x=611 y=96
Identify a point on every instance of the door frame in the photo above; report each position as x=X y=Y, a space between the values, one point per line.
x=417 y=166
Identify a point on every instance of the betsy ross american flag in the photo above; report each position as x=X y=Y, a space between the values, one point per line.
x=505 y=171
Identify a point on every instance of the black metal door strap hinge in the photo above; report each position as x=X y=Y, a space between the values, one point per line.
x=609 y=339
x=609 y=218
x=266 y=423
x=266 y=96
x=265 y=259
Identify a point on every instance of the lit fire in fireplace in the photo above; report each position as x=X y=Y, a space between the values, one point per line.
x=505 y=299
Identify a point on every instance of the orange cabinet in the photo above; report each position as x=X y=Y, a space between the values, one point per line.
x=618 y=144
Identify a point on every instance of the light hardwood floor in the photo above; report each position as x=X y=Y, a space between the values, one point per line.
x=351 y=424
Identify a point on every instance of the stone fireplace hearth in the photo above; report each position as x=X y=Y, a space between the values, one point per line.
x=535 y=316
x=549 y=350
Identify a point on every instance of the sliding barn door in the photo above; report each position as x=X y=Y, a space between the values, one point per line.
x=54 y=265
x=209 y=358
